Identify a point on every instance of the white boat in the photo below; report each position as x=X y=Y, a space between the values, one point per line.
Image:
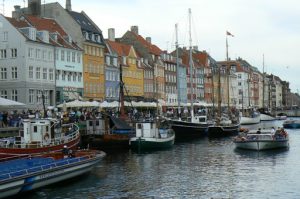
x=149 y=135
x=250 y=116
x=266 y=117
x=262 y=140
x=26 y=174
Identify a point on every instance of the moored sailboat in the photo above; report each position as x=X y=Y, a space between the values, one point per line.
x=226 y=124
x=193 y=126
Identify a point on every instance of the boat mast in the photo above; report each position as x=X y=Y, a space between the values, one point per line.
x=191 y=66
x=228 y=72
x=263 y=80
x=122 y=109
x=177 y=71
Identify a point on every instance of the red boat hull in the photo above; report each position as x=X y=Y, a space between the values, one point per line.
x=12 y=153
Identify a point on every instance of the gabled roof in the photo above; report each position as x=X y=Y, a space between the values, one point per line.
x=151 y=47
x=45 y=24
x=17 y=23
x=119 y=48
x=52 y=27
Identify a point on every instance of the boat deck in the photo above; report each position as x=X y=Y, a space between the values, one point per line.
x=20 y=167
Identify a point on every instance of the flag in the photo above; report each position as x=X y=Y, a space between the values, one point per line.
x=228 y=33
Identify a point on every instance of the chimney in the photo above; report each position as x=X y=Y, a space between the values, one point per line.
x=148 y=39
x=195 y=48
x=17 y=12
x=135 y=29
x=34 y=7
x=68 y=5
x=111 y=34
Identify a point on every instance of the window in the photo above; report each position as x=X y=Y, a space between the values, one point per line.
x=57 y=74
x=5 y=36
x=31 y=96
x=14 y=95
x=62 y=55
x=30 y=52
x=44 y=54
x=13 y=52
x=30 y=72
x=51 y=74
x=50 y=56
x=78 y=58
x=73 y=56
x=14 y=72
x=44 y=73
x=4 y=94
x=79 y=77
x=74 y=77
x=3 y=75
x=69 y=76
x=38 y=73
x=2 y=53
x=64 y=75
x=38 y=53
x=107 y=60
x=39 y=96
x=68 y=56
x=56 y=54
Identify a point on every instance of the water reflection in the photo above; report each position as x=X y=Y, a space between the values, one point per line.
x=200 y=168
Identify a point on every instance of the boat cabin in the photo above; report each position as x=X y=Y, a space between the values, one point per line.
x=37 y=131
x=146 y=129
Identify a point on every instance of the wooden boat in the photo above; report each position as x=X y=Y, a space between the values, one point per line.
x=152 y=135
x=39 y=136
x=291 y=124
x=192 y=128
x=107 y=133
x=262 y=140
x=26 y=174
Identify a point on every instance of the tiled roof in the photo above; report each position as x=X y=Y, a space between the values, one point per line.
x=45 y=24
x=152 y=48
x=53 y=27
x=17 y=23
x=119 y=48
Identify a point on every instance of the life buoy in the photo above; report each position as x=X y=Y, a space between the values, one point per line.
x=46 y=137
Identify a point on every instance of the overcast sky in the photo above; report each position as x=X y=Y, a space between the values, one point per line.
x=269 y=27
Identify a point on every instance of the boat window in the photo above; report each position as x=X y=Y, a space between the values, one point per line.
x=35 y=129
x=139 y=126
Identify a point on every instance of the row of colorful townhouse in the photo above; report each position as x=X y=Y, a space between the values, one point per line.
x=63 y=55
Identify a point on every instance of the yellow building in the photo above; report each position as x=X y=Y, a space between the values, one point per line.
x=132 y=72
x=93 y=71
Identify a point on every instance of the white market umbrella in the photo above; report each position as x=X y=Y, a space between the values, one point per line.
x=7 y=103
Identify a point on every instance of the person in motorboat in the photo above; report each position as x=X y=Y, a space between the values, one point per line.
x=259 y=131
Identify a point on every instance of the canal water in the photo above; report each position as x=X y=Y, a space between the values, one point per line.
x=201 y=168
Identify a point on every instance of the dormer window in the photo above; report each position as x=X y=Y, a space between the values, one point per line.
x=124 y=60
x=86 y=35
x=93 y=37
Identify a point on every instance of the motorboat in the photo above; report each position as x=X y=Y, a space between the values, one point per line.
x=26 y=174
x=291 y=124
x=40 y=136
x=262 y=140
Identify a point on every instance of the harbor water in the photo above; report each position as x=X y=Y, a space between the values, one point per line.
x=200 y=168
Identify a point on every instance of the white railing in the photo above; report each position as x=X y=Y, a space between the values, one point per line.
x=63 y=139
x=45 y=167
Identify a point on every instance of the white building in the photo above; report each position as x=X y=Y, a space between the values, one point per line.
x=26 y=64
